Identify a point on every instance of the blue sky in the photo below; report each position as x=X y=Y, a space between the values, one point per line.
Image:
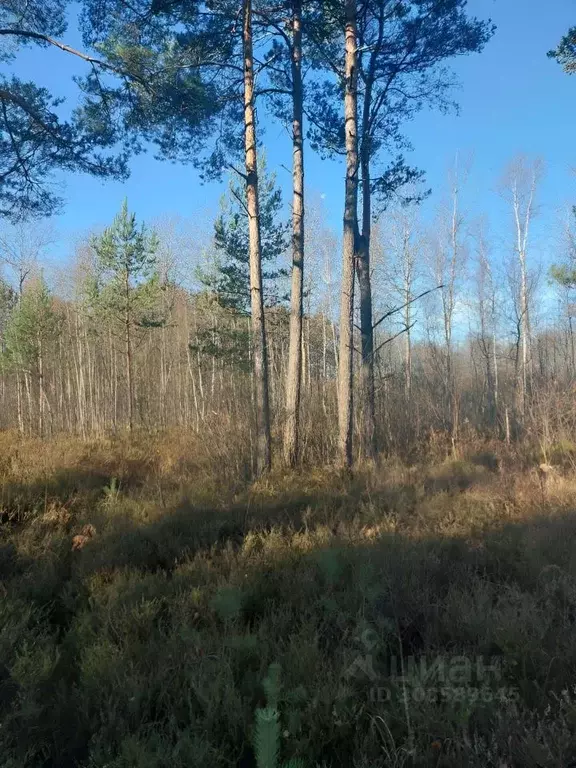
x=512 y=99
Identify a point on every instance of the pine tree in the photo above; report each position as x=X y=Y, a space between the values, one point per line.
x=35 y=140
x=565 y=274
x=126 y=290
x=394 y=66
x=565 y=53
x=228 y=277
x=211 y=72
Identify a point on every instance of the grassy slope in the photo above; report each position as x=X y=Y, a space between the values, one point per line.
x=147 y=647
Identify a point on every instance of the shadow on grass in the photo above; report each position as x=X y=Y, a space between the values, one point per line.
x=21 y=502
x=149 y=646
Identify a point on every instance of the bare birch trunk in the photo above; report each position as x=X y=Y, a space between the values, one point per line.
x=19 y=403
x=408 y=345
x=522 y=181
x=40 y=387
x=128 y=354
x=28 y=386
x=407 y=278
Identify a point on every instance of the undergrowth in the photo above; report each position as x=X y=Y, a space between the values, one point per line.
x=420 y=615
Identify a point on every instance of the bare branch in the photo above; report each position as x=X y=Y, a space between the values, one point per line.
x=403 y=306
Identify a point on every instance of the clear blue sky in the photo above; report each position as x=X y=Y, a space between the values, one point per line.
x=512 y=99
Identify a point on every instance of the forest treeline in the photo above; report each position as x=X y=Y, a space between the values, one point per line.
x=135 y=337
x=417 y=333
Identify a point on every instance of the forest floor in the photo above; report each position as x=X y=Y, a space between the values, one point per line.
x=421 y=615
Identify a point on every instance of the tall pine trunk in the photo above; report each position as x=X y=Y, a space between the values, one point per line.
x=368 y=431
x=346 y=348
x=294 y=375
x=363 y=245
x=260 y=358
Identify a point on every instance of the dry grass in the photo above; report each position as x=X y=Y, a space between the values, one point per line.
x=147 y=646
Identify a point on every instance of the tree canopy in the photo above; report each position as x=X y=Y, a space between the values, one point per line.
x=144 y=84
x=565 y=53
x=228 y=277
x=403 y=48
x=35 y=140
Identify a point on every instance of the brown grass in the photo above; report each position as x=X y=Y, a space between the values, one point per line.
x=147 y=645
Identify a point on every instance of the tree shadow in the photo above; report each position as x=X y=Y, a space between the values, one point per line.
x=195 y=603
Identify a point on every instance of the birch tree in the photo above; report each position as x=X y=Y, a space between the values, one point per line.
x=563 y=275
x=486 y=305
x=29 y=336
x=519 y=186
x=406 y=245
x=448 y=263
